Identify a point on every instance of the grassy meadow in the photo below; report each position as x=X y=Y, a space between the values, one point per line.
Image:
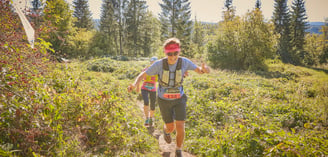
x=279 y=112
x=84 y=109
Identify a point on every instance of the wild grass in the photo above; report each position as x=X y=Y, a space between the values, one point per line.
x=84 y=109
x=278 y=112
x=282 y=111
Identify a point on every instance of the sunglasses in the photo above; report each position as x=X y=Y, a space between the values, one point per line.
x=173 y=54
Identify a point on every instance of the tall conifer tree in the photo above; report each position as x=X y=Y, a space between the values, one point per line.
x=60 y=22
x=258 y=4
x=198 y=37
x=176 y=22
x=281 y=20
x=35 y=15
x=229 y=13
x=83 y=14
x=113 y=24
x=150 y=33
x=135 y=17
x=228 y=4
x=36 y=5
x=108 y=27
x=324 y=31
x=299 y=25
x=119 y=13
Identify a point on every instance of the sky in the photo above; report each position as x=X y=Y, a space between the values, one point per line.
x=211 y=10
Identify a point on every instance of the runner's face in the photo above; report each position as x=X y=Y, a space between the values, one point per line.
x=172 y=57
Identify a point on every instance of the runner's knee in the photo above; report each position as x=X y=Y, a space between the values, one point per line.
x=169 y=127
x=180 y=125
x=152 y=107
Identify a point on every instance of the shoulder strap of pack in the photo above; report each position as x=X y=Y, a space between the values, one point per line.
x=165 y=64
x=165 y=68
x=179 y=63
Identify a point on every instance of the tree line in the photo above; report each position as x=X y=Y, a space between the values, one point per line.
x=128 y=28
x=246 y=42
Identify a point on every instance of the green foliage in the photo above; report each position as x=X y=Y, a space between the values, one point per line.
x=175 y=22
x=281 y=20
x=75 y=112
x=37 y=4
x=316 y=48
x=57 y=25
x=151 y=35
x=108 y=29
x=280 y=112
x=79 y=44
x=35 y=13
x=49 y=109
x=136 y=17
x=83 y=108
x=10 y=28
x=230 y=12
x=299 y=25
x=121 y=69
x=23 y=103
x=82 y=14
x=198 y=38
x=258 y=4
x=127 y=28
x=242 y=43
x=324 y=37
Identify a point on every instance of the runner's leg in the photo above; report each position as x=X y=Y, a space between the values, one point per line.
x=146 y=111
x=152 y=96
x=180 y=128
x=180 y=117
x=145 y=98
x=169 y=127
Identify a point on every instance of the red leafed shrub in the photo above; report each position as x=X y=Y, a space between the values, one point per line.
x=20 y=69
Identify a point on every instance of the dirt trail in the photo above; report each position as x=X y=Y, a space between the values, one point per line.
x=167 y=150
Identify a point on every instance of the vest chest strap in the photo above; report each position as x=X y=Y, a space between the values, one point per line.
x=177 y=73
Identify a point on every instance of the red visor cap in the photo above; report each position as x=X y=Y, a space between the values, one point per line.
x=172 y=48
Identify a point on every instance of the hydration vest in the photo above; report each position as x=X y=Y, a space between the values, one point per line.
x=177 y=79
x=151 y=79
x=150 y=82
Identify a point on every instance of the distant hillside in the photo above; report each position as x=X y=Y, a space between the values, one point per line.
x=314 y=27
x=97 y=23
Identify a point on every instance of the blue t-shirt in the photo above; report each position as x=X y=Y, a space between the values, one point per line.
x=157 y=69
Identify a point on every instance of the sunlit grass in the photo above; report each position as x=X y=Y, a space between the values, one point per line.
x=281 y=111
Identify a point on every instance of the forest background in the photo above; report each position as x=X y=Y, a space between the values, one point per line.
x=264 y=71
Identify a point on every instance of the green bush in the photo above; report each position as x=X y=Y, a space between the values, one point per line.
x=244 y=114
x=237 y=45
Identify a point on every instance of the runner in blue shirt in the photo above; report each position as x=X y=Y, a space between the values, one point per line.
x=171 y=97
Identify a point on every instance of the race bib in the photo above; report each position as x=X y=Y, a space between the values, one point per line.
x=150 y=86
x=172 y=93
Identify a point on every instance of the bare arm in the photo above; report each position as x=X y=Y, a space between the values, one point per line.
x=137 y=81
x=203 y=69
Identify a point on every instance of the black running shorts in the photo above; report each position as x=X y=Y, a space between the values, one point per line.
x=173 y=109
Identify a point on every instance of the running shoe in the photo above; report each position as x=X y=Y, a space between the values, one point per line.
x=167 y=137
x=147 y=122
x=178 y=153
x=151 y=121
